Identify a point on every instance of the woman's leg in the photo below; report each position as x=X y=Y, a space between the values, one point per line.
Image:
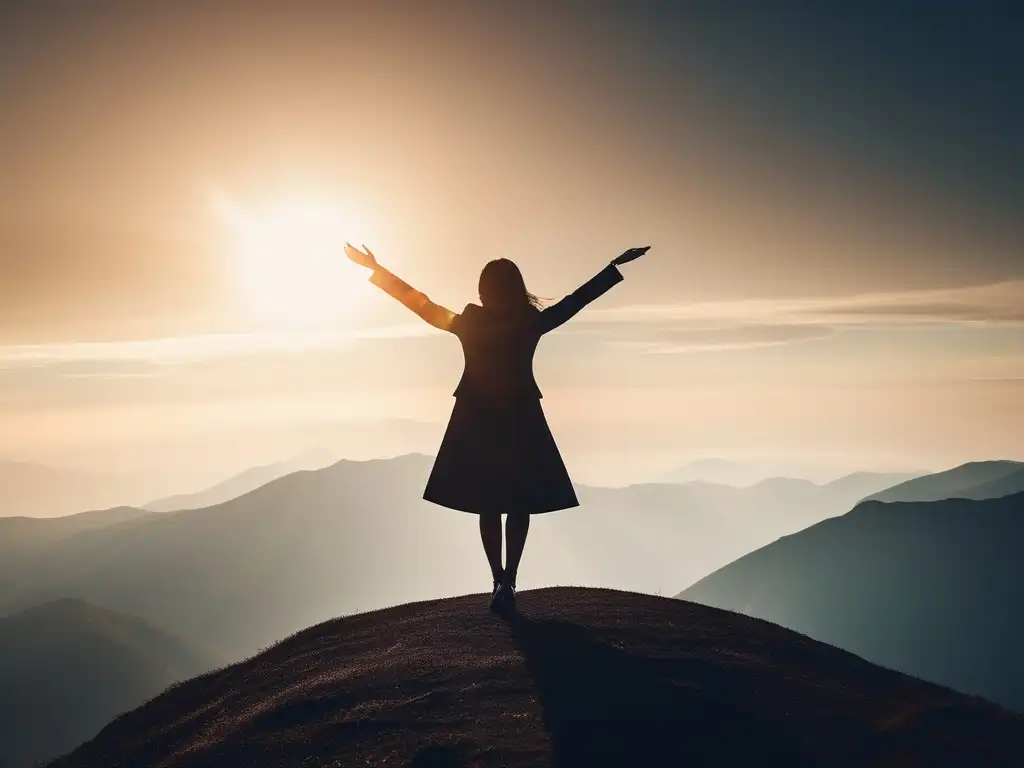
x=516 y=528
x=490 y=536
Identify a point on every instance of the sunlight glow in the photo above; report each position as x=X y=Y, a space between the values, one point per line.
x=289 y=257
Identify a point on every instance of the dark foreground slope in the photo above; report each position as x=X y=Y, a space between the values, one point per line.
x=933 y=589
x=67 y=667
x=582 y=677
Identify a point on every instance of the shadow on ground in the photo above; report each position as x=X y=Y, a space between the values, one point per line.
x=605 y=707
x=438 y=757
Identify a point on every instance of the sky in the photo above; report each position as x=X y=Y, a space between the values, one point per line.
x=833 y=194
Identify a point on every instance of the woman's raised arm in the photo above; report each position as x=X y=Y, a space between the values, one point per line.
x=394 y=286
x=601 y=283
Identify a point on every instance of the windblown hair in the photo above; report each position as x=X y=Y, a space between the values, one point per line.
x=502 y=287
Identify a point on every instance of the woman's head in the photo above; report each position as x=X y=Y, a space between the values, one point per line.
x=502 y=287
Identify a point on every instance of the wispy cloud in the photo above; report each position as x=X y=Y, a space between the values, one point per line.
x=1000 y=381
x=761 y=322
x=678 y=336
x=995 y=303
x=147 y=357
x=655 y=328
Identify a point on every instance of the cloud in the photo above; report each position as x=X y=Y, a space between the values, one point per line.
x=1000 y=381
x=653 y=328
x=998 y=303
x=147 y=357
x=106 y=369
x=694 y=336
x=738 y=337
x=762 y=322
x=995 y=303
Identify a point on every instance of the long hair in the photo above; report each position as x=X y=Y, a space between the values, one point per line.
x=502 y=287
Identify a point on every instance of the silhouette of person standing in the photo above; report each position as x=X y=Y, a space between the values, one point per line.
x=498 y=455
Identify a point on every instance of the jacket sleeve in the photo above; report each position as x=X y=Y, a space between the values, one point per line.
x=435 y=314
x=558 y=313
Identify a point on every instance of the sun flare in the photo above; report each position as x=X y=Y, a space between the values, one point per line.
x=289 y=257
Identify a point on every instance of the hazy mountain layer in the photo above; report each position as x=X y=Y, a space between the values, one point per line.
x=35 y=490
x=357 y=536
x=745 y=473
x=976 y=480
x=25 y=533
x=237 y=485
x=756 y=514
x=67 y=667
x=24 y=539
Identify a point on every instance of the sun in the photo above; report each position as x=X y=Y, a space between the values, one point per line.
x=288 y=257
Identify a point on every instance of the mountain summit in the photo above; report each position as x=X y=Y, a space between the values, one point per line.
x=581 y=678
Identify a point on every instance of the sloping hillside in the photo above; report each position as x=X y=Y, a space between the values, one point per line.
x=975 y=480
x=68 y=667
x=933 y=589
x=580 y=678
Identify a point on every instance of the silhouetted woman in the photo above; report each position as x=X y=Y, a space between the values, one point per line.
x=498 y=455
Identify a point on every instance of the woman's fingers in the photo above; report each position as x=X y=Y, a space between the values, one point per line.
x=363 y=259
x=632 y=253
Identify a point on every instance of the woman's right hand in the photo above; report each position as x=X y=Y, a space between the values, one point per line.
x=364 y=258
x=628 y=256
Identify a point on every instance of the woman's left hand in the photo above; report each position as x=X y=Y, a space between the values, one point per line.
x=364 y=258
x=628 y=256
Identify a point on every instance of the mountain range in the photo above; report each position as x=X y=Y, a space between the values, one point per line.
x=239 y=574
x=356 y=536
x=748 y=472
x=240 y=484
x=24 y=539
x=933 y=589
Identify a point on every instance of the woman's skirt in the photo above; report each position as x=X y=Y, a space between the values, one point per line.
x=499 y=458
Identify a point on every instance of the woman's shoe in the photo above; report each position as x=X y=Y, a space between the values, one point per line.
x=496 y=598
x=504 y=600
